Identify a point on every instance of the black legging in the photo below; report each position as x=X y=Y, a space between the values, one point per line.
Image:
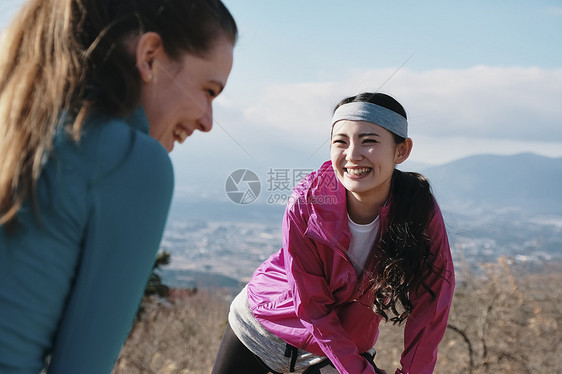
x=234 y=358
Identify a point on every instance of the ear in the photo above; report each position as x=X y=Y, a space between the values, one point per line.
x=403 y=150
x=149 y=48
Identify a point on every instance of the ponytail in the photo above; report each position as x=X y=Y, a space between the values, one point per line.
x=68 y=56
x=40 y=68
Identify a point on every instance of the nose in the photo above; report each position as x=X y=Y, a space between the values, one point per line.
x=353 y=152
x=205 y=123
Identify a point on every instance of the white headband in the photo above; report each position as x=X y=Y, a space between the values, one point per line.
x=379 y=115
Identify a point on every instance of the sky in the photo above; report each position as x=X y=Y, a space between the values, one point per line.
x=475 y=77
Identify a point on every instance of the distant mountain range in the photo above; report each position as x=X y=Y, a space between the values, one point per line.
x=527 y=183
x=524 y=183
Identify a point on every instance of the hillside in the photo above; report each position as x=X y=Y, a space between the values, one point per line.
x=501 y=322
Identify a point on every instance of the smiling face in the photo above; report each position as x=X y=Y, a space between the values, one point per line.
x=177 y=95
x=363 y=157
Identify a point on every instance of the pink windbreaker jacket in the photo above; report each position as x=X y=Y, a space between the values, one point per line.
x=308 y=293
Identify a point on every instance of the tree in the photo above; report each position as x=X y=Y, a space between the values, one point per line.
x=154 y=286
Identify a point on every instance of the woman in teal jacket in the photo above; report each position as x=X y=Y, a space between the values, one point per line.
x=93 y=95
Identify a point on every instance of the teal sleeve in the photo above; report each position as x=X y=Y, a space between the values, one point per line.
x=129 y=207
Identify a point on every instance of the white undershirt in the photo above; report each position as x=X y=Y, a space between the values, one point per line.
x=362 y=239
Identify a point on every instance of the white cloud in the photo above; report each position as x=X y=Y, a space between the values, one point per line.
x=484 y=102
x=294 y=107
x=557 y=11
x=518 y=104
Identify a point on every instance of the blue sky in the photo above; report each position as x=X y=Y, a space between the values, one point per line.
x=474 y=76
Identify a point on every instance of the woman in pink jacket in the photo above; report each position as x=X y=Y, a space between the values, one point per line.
x=362 y=242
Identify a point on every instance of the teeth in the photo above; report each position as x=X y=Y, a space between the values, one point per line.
x=180 y=135
x=358 y=171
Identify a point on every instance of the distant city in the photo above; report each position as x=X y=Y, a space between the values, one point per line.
x=226 y=253
x=220 y=243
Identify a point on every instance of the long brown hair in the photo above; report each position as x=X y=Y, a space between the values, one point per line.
x=403 y=257
x=400 y=259
x=68 y=56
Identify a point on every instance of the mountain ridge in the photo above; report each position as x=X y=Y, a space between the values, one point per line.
x=524 y=182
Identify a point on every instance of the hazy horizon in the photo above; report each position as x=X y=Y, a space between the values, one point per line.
x=475 y=78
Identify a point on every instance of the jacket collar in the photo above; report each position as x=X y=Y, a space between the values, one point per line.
x=327 y=207
x=326 y=202
x=137 y=119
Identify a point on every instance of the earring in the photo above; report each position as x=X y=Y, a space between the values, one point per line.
x=149 y=77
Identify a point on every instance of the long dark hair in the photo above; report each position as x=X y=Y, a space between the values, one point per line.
x=400 y=258
x=70 y=56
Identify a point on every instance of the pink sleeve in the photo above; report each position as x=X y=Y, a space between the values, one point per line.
x=426 y=325
x=313 y=298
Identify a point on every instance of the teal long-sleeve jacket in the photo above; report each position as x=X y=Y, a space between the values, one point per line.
x=73 y=269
